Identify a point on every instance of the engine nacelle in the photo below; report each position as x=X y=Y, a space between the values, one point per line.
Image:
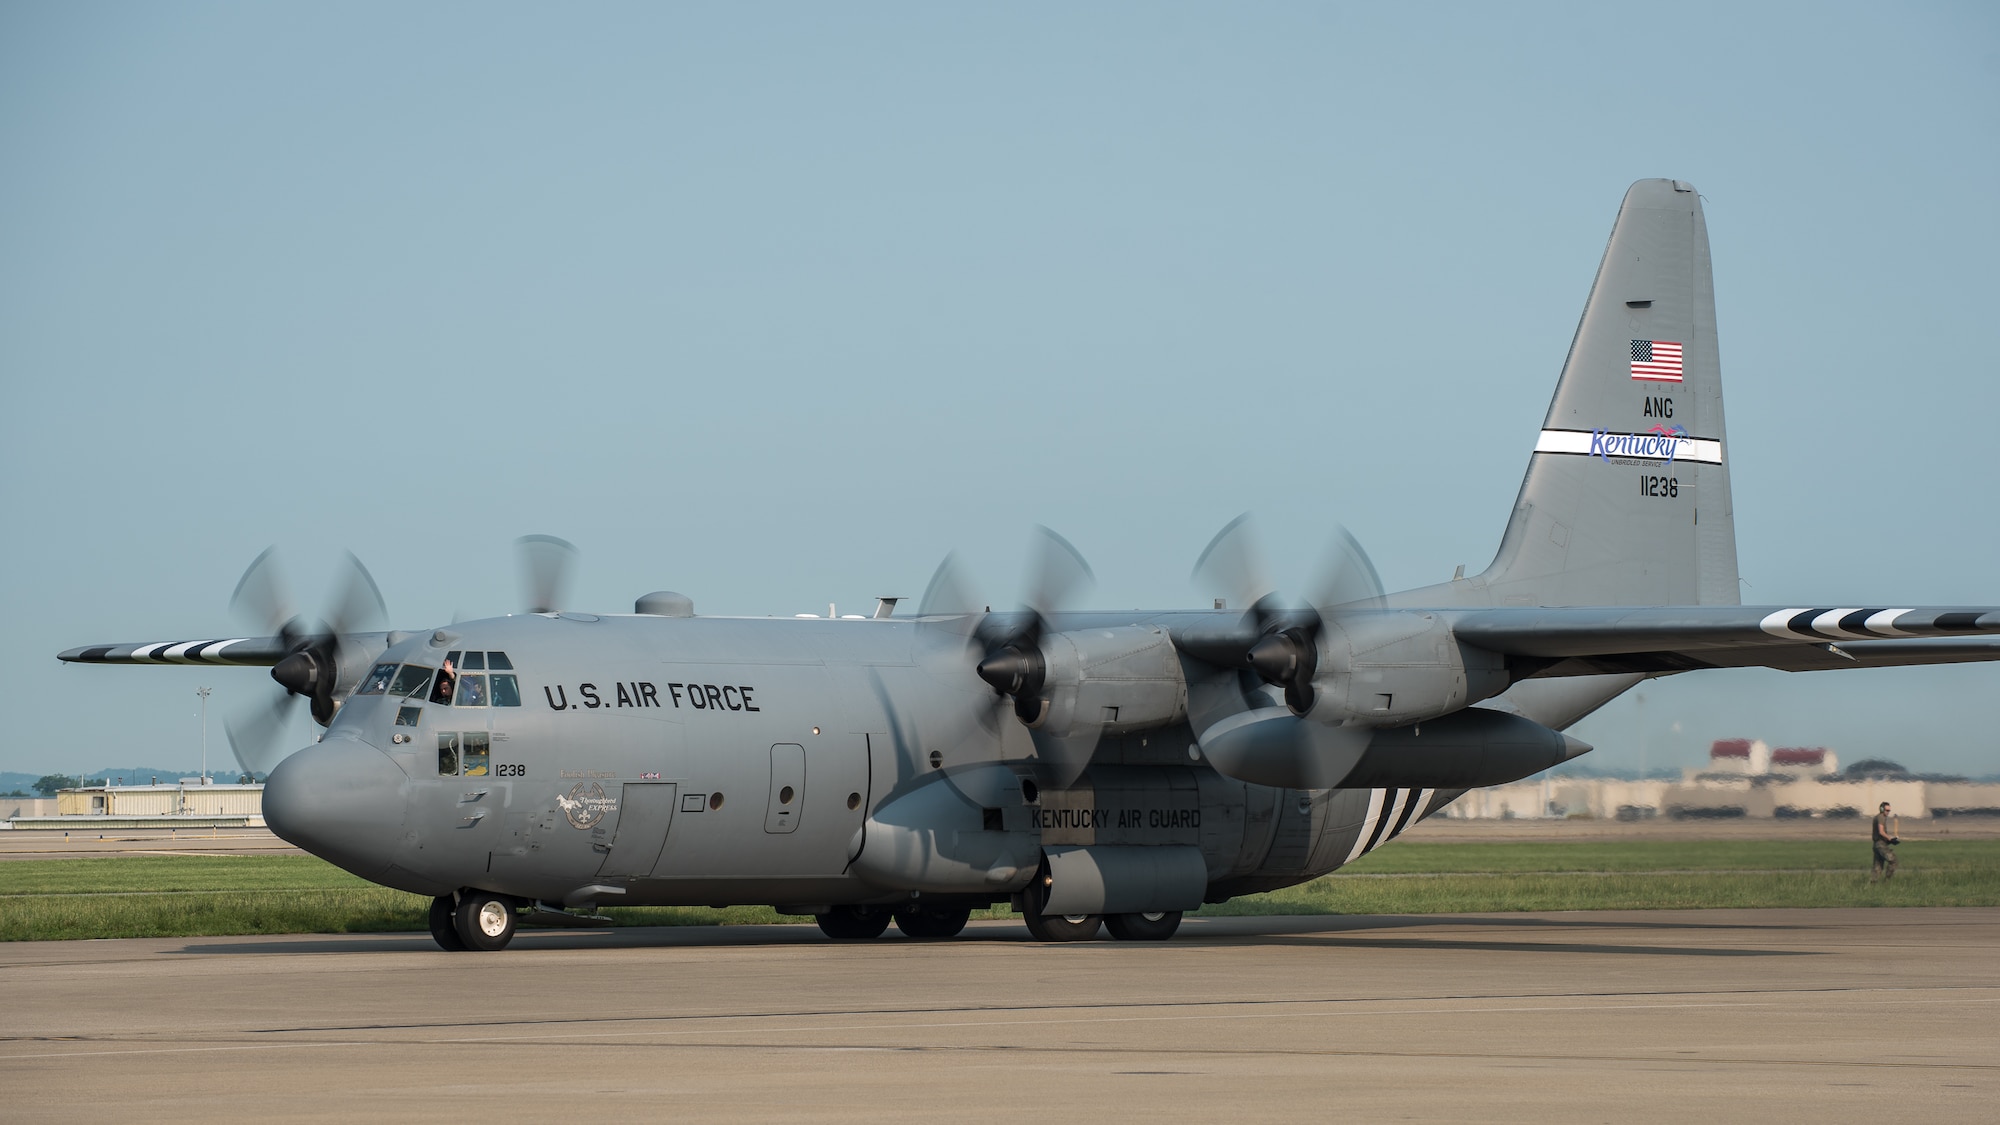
x=1125 y=678
x=1387 y=669
x=1475 y=747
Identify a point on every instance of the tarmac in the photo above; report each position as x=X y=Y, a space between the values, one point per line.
x=1663 y=1016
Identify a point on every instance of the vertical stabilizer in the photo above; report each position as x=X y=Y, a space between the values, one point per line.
x=1626 y=500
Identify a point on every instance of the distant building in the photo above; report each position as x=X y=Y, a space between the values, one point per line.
x=1744 y=777
x=1739 y=755
x=184 y=802
x=1805 y=761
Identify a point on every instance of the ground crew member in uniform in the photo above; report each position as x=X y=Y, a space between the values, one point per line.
x=1885 y=838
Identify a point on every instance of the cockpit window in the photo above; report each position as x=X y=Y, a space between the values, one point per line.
x=378 y=680
x=408 y=716
x=498 y=662
x=447 y=753
x=411 y=680
x=472 y=690
x=506 y=691
x=477 y=752
x=441 y=691
x=474 y=662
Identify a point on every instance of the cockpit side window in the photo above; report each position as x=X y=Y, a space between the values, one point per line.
x=447 y=753
x=408 y=716
x=506 y=690
x=378 y=679
x=447 y=679
x=412 y=679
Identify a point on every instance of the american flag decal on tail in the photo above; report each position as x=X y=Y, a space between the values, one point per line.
x=1658 y=360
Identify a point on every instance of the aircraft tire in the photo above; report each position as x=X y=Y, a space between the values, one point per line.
x=849 y=923
x=1056 y=927
x=484 y=921
x=1061 y=927
x=1158 y=926
x=932 y=925
x=444 y=930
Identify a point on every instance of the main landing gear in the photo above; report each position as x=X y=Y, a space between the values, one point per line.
x=1157 y=925
x=1153 y=926
x=472 y=920
x=853 y=923
x=932 y=925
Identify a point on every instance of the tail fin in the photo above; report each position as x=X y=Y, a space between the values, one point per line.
x=1626 y=501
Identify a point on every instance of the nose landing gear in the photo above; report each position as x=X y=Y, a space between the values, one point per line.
x=444 y=928
x=477 y=920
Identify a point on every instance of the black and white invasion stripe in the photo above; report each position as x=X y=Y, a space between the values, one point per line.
x=1858 y=623
x=159 y=652
x=1389 y=812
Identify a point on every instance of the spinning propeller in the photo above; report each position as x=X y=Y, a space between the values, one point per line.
x=546 y=566
x=311 y=667
x=1279 y=643
x=317 y=650
x=1243 y=734
x=1006 y=650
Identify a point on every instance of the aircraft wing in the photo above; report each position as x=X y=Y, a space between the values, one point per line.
x=1590 y=640
x=243 y=651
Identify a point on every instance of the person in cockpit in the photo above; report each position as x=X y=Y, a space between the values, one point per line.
x=446 y=679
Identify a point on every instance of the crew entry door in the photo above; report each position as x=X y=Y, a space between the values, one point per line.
x=645 y=812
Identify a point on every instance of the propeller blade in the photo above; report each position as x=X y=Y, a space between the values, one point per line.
x=262 y=596
x=358 y=607
x=1057 y=572
x=1232 y=566
x=1064 y=759
x=948 y=594
x=1347 y=577
x=546 y=565
x=255 y=737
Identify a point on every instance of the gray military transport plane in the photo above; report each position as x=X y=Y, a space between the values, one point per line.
x=1093 y=769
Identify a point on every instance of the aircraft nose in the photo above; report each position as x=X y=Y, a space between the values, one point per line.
x=342 y=800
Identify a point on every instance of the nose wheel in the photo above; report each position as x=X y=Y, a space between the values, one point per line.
x=444 y=928
x=478 y=920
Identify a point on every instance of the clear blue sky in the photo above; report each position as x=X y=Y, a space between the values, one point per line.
x=774 y=305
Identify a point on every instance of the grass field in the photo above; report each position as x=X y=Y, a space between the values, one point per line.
x=173 y=896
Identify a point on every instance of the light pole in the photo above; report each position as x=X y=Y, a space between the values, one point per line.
x=1640 y=699
x=203 y=692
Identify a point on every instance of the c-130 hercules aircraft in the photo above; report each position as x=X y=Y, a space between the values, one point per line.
x=1093 y=769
